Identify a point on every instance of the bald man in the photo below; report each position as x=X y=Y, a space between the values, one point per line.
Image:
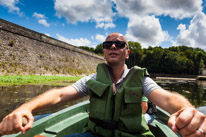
x=115 y=100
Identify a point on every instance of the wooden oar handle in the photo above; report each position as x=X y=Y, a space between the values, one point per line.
x=24 y=121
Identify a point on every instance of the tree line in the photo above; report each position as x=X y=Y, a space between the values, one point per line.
x=172 y=60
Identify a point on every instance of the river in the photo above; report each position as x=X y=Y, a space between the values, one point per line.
x=13 y=96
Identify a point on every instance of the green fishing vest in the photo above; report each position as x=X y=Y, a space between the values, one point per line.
x=118 y=115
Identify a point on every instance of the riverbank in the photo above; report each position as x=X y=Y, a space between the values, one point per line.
x=7 y=80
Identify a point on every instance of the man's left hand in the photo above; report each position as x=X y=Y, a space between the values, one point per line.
x=188 y=122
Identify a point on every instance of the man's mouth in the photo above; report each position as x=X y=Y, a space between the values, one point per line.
x=113 y=54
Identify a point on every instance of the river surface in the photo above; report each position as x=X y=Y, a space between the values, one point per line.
x=13 y=96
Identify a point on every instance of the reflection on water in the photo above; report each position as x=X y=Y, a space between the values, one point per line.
x=14 y=96
x=195 y=91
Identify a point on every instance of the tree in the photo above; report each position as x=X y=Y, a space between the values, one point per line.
x=91 y=49
x=99 y=49
x=152 y=59
x=199 y=64
x=136 y=54
x=170 y=62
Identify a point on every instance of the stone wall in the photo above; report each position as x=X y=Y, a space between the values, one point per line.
x=23 y=51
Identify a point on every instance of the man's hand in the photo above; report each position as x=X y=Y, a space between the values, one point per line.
x=13 y=123
x=188 y=122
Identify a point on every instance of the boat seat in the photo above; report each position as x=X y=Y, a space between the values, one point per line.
x=68 y=126
x=160 y=129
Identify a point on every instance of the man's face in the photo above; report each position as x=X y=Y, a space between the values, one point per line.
x=115 y=55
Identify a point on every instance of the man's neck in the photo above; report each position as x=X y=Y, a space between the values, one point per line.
x=117 y=71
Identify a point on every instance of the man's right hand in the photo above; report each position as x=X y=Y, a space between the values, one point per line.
x=13 y=123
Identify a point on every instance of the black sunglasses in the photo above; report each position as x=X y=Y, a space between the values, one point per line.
x=118 y=44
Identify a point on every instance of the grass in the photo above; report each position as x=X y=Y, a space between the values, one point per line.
x=6 y=80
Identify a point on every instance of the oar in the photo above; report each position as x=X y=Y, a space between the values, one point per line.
x=25 y=121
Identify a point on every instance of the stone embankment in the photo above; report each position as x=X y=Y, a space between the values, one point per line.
x=23 y=51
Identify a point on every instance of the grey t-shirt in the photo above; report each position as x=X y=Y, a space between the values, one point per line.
x=148 y=84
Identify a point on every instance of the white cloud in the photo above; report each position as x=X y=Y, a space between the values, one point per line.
x=174 y=8
x=99 y=11
x=75 y=42
x=100 y=38
x=11 y=4
x=181 y=27
x=195 y=34
x=43 y=22
x=41 y=19
x=38 y=16
x=146 y=30
x=144 y=25
x=47 y=34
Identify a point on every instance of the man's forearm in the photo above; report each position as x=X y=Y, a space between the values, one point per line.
x=169 y=101
x=177 y=102
x=45 y=100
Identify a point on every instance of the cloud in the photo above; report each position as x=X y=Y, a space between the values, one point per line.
x=144 y=25
x=43 y=22
x=75 y=42
x=100 y=38
x=11 y=4
x=178 y=9
x=195 y=34
x=38 y=16
x=99 y=11
x=47 y=34
x=146 y=30
x=41 y=19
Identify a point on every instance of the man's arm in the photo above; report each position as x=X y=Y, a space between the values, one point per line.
x=184 y=117
x=144 y=107
x=144 y=104
x=12 y=123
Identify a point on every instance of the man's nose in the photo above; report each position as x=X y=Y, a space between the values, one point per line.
x=113 y=46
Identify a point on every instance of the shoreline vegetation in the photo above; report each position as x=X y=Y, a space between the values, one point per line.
x=9 y=80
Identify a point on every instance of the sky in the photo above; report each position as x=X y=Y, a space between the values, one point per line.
x=153 y=23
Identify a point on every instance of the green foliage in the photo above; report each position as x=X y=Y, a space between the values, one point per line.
x=34 y=79
x=99 y=49
x=172 y=60
x=136 y=54
x=91 y=49
x=153 y=59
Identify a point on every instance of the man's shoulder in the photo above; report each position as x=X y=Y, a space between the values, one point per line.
x=91 y=76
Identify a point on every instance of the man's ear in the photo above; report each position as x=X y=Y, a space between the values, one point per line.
x=128 y=52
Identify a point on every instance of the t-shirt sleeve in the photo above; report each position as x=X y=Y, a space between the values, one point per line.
x=148 y=86
x=81 y=87
x=144 y=99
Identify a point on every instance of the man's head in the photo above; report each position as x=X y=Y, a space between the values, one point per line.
x=116 y=37
x=115 y=49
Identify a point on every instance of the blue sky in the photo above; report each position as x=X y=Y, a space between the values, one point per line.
x=88 y=22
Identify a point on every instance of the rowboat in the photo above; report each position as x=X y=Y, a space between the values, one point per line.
x=74 y=118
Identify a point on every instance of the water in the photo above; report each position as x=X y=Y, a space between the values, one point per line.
x=195 y=91
x=14 y=96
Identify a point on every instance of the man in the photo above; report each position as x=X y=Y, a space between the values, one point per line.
x=116 y=78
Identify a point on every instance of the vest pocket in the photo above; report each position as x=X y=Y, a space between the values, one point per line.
x=97 y=87
x=132 y=103
x=97 y=98
x=133 y=94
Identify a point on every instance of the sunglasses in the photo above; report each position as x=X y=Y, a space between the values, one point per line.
x=118 y=44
